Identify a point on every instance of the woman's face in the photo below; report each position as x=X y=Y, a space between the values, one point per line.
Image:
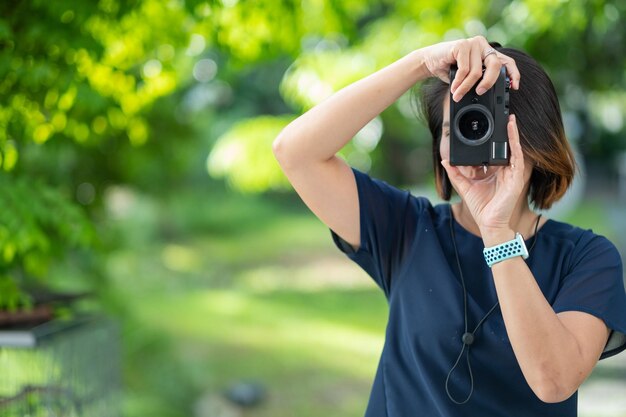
x=473 y=173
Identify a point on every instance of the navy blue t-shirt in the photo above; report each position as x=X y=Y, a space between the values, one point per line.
x=406 y=247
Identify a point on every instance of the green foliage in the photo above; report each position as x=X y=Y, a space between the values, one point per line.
x=37 y=224
x=589 y=37
x=253 y=31
x=107 y=92
x=244 y=155
x=77 y=76
x=11 y=296
x=85 y=70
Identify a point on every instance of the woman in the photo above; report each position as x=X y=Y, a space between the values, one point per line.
x=516 y=337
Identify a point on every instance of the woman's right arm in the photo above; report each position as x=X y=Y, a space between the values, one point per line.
x=306 y=149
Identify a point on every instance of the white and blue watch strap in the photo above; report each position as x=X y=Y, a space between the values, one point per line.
x=506 y=250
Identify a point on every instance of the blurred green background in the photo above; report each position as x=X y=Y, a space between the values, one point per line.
x=136 y=163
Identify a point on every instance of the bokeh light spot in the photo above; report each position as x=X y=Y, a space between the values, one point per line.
x=59 y=121
x=612 y=118
x=81 y=132
x=10 y=156
x=611 y=12
x=67 y=99
x=137 y=132
x=42 y=132
x=67 y=16
x=152 y=68
x=204 y=70
x=197 y=43
x=99 y=125
x=360 y=160
x=116 y=117
x=51 y=98
x=368 y=137
x=85 y=193
x=475 y=27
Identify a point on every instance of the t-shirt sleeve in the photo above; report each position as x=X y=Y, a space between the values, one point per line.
x=385 y=228
x=594 y=284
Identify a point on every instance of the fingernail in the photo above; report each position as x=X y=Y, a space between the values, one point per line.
x=480 y=91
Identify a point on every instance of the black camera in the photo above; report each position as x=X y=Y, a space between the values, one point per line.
x=478 y=134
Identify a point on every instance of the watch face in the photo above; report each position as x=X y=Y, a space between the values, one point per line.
x=523 y=249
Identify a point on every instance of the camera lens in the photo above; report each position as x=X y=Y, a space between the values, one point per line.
x=474 y=124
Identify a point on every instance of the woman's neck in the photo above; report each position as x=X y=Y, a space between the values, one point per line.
x=523 y=218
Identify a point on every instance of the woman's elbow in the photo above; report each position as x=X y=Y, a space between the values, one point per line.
x=278 y=149
x=550 y=390
x=278 y=145
x=284 y=148
x=290 y=153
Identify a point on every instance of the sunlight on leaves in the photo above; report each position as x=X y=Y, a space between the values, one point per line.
x=243 y=155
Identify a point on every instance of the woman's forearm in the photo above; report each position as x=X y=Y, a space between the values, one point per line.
x=321 y=132
x=544 y=348
x=547 y=352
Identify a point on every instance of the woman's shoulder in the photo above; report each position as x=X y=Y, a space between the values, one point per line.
x=567 y=231
x=418 y=199
x=580 y=240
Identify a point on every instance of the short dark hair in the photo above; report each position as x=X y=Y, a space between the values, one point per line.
x=542 y=136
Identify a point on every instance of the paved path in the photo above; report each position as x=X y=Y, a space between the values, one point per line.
x=603 y=394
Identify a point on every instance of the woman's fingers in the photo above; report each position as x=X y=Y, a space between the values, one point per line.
x=462 y=56
x=490 y=76
x=471 y=55
x=493 y=62
x=511 y=70
x=460 y=183
x=516 y=163
x=474 y=73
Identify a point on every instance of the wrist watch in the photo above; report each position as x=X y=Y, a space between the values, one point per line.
x=506 y=250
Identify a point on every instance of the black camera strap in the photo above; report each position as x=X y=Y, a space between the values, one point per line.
x=468 y=337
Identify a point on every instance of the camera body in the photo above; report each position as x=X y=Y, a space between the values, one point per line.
x=478 y=134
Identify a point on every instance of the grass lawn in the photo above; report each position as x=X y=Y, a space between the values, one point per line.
x=264 y=298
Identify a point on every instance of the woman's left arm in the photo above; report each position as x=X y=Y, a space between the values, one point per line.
x=556 y=352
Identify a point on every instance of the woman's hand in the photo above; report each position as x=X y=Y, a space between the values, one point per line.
x=469 y=55
x=492 y=201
